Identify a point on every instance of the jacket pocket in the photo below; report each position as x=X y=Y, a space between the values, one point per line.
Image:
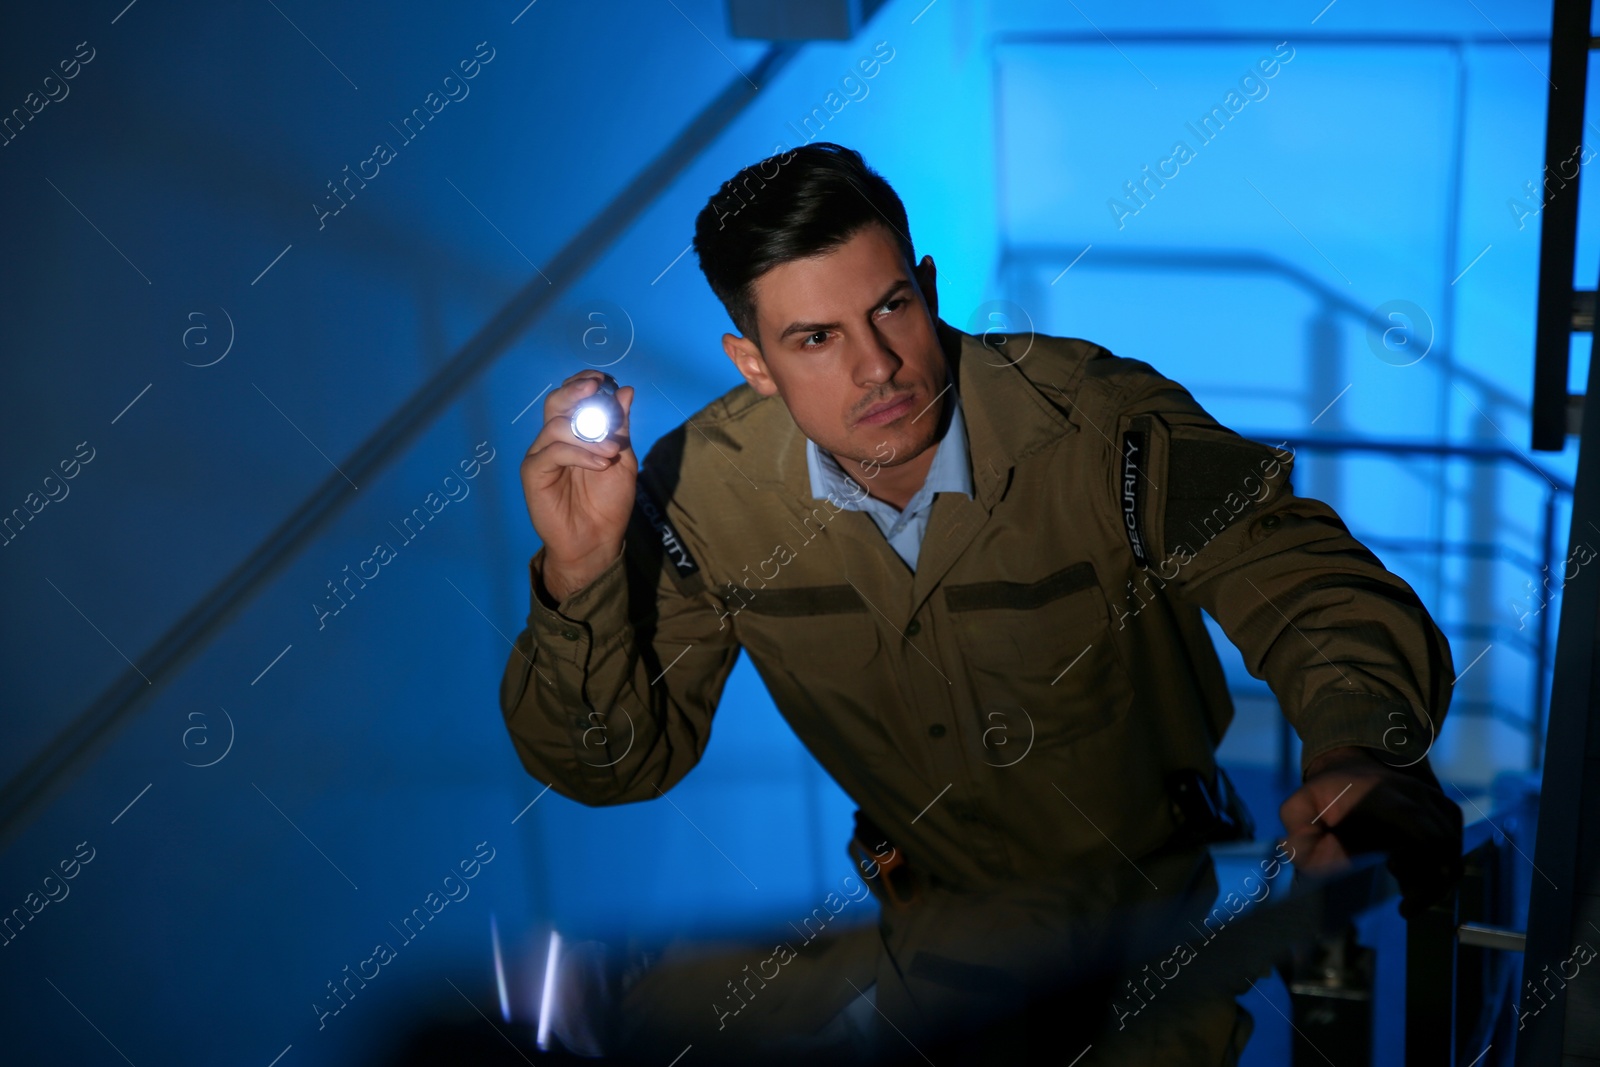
x=1043 y=667
x=808 y=626
x=819 y=651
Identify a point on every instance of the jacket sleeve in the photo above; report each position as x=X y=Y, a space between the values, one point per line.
x=609 y=697
x=1347 y=647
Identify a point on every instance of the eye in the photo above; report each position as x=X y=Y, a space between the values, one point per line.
x=893 y=305
x=809 y=337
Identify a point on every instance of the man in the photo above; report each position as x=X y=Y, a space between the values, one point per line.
x=972 y=577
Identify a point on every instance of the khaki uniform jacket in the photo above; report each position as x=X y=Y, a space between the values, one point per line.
x=1009 y=710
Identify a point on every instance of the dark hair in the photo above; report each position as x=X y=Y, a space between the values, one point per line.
x=802 y=203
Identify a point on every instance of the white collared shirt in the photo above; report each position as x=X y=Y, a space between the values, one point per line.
x=950 y=472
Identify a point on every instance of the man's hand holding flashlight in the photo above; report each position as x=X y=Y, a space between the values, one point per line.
x=579 y=492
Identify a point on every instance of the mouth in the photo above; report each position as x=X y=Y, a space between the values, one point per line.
x=888 y=411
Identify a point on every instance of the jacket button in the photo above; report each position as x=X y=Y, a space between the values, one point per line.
x=1270 y=522
x=936 y=730
x=914 y=628
x=570 y=634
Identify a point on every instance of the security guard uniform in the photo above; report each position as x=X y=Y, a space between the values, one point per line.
x=1010 y=713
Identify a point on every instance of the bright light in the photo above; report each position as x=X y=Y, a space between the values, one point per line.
x=499 y=970
x=591 y=422
x=547 y=999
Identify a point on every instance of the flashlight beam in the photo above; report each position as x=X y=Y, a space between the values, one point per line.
x=547 y=998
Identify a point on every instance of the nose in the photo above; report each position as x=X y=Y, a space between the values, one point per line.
x=876 y=362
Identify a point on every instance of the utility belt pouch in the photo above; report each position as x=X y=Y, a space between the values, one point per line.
x=883 y=867
x=1205 y=813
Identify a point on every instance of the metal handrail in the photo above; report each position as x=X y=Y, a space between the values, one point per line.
x=1478 y=911
x=1473 y=453
x=1023 y=256
x=1401 y=447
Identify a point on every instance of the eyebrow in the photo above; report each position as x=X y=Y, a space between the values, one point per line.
x=818 y=327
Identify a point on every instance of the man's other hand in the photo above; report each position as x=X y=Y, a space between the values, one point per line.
x=1353 y=802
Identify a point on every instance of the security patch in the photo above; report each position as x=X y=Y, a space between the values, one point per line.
x=671 y=543
x=1133 y=455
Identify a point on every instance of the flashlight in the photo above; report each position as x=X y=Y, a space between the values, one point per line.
x=598 y=413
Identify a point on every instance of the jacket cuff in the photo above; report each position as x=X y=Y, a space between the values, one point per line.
x=598 y=610
x=1392 y=727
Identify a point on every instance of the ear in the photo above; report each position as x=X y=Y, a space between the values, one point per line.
x=747 y=358
x=927 y=281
